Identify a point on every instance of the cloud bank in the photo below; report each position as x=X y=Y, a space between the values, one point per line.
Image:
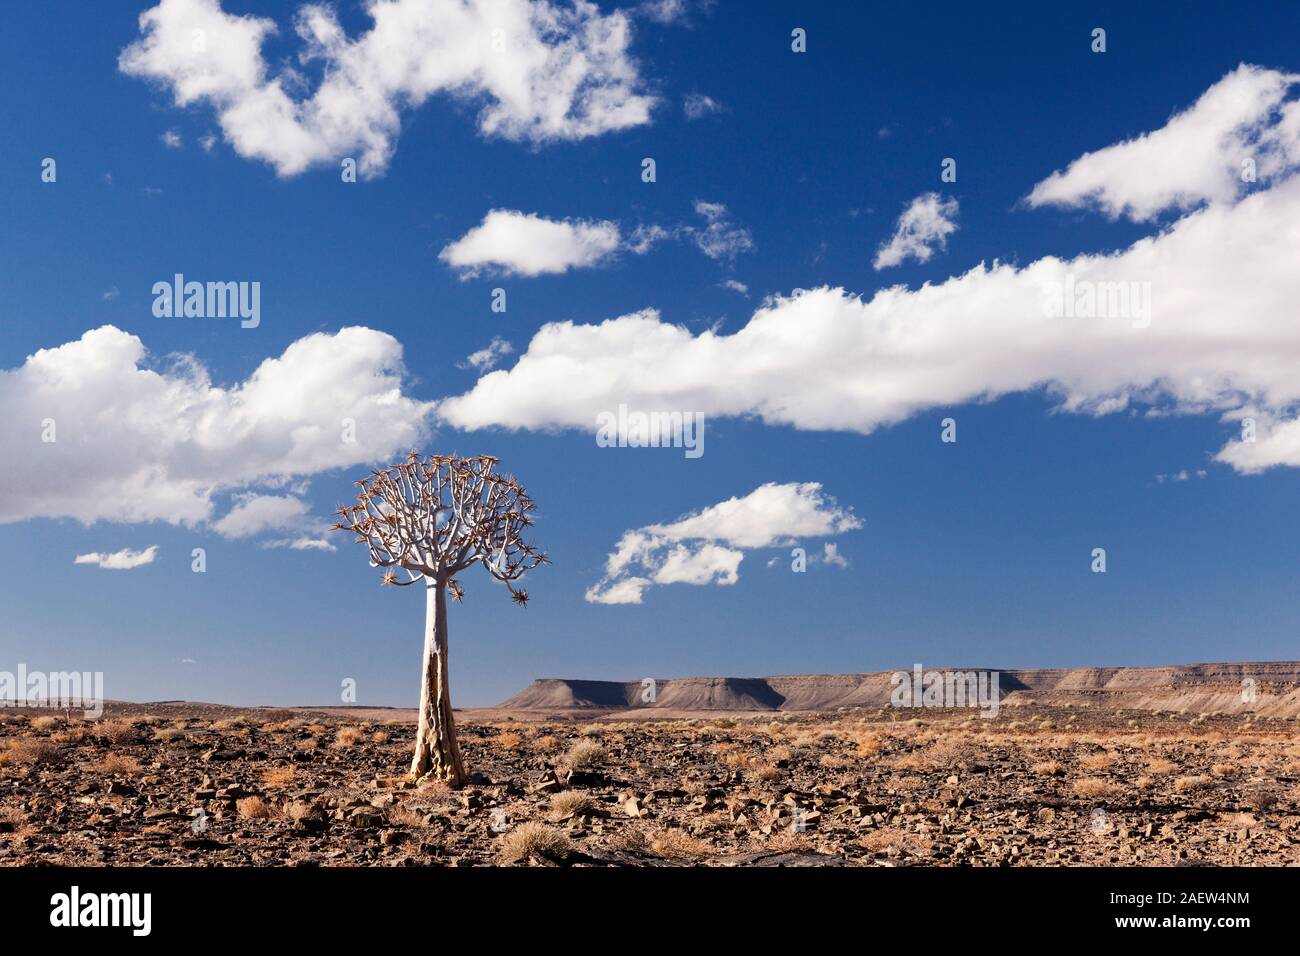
x=1198 y=318
x=100 y=432
x=539 y=71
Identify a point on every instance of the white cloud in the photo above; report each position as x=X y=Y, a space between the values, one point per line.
x=831 y=555
x=664 y=11
x=207 y=141
x=735 y=286
x=302 y=543
x=512 y=242
x=1180 y=476
x=1219 y=337
x=706 y=547
x=924 y=225
x=487 y=358
x=720 y=238
x=254 y=514
x=540 y=71
x=1196 y=157
x=172 y=139
x=697 y=106
x=123 y=560
x=136 y=440
x=526 y=244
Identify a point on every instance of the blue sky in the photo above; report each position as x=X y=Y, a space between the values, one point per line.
x=973 y=553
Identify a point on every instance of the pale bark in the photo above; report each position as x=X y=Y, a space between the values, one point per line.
x=436 y=751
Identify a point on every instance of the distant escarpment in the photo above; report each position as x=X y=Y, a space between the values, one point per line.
x=1270 y=689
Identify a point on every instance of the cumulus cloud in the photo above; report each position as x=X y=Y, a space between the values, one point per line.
x=1198 y=318
x=1197 y=157
x=123 y=560
x=540 y=71
x=487 y=358
x=707 y=546
x=525 y=244
x=99 y=430
x=511 y=242
x=172 y=139
x=923 y=226
x=254 y=514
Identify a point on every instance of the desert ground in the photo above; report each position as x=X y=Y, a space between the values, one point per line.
x=196 y=784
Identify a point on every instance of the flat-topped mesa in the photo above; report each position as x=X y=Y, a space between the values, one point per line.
x=1195 y=688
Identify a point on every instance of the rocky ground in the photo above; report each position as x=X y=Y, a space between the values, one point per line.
x=188 y=784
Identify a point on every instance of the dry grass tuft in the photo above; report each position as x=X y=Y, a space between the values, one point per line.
x=1093 y=787
x=347 y=737
x=570 y=803
x=31 y=752
x=534 y=838
x=120 y=732
x=119 y=764
x=676 y=844
x=1097 y=762
x=277 y=778
x=584 y=753
x=252 y=808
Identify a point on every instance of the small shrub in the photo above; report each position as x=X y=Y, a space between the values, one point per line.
x=1093 y=787
x=347 y=737
x=673 y=843
x=571 y=803
x=584 y=753
x=277 y=778
x=33 y=751
x=252 y=808
x=529 y=838
x=119 y=765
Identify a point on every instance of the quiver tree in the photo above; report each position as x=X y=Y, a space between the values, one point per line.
x=429 y=520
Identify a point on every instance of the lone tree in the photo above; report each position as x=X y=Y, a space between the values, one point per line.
x=429 y=519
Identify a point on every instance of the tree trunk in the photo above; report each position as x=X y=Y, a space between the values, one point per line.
x=436 y=751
